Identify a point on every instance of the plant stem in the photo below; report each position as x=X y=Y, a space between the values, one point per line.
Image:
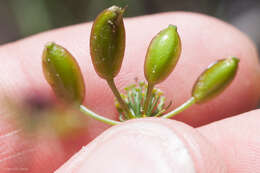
x=148 y=98
x=89 y=113
x=116 y=93
x=181 y=108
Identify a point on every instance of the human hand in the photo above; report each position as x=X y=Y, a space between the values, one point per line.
x=204 y=40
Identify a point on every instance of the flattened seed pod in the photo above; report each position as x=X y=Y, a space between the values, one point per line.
x=107 y=42
x=162 y=55
x=215 y=79
x=62 y=72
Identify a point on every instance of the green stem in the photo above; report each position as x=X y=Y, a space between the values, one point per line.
x=89 y=113
x=148 y=98
x=181 y=108
x=116 y=93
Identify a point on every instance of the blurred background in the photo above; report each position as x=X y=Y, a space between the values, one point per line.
x=22 y=18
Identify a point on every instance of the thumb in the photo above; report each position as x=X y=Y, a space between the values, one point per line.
x=147 y=145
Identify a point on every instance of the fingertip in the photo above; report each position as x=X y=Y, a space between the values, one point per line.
x=237 y=140
x=148 y=145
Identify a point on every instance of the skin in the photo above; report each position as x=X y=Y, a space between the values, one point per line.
x=204 y=40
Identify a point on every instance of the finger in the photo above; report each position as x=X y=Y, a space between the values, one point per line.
x=156 y=145
x=202 y=45
x=237 y=141
x=147 y=145
x=21 y=74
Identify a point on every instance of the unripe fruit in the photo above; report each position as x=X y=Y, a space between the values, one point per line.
x=215 y=79
x=107 y=42
x=162 y=55
x=62 y=72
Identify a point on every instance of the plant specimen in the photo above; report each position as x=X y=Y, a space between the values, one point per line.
x=107 y=47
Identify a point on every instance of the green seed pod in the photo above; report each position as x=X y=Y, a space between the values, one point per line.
x=215 y=79
x=162 y=55
x=107 y=42
x=62 y=72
